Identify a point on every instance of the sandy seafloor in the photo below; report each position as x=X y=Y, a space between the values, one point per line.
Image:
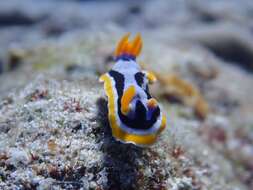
x=54 y=132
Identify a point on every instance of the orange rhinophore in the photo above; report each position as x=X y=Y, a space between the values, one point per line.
x=127 y=48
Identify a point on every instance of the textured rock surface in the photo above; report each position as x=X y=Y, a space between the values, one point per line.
x=54 y=131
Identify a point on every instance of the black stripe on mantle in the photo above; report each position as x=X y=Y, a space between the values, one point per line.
x=139 y=121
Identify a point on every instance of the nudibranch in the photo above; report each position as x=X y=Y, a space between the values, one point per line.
x=134 y=116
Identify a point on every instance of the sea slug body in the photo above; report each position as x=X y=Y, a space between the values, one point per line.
x=135 y=117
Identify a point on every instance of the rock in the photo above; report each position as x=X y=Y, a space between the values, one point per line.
x=17 y=156
x=90 y=153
